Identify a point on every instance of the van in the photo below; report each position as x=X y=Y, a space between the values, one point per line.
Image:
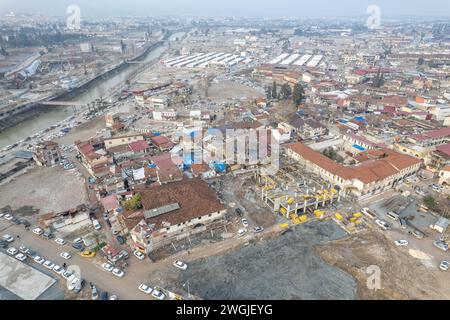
x=96 y=224
x=382 y=224
x=392 y=215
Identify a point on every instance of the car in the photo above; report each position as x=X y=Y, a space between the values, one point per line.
x=73 y=283
x=8 y=217
x=118 y=273
x=31 y=254
x=403 y=223
x=180 y=264
x=15 y=220
x=104 y=295
x=238 y=212
x=78 y=246
x=417 y=233
x=145 y=288
x=78 y=240
x=113 y=297
x=138 y=254
x=3 y=243
x=26 y=223
x=58 y=269
x=87 y=254
x=66 y=255
x=48 y=264
x=244 y=222
x=96 y=224
x=124 y=254
x=382 y=224
x=21 y=257
x=79 y=286
x=241 y=232
x=2 y=215
x=60 y=241
x=8 y=238
x=38 y=231
x=47 y=235
x=440 y=245
x=158 y=295
x=401 y=243
x=258 y=229
x=94 y=293
x=12 y=251
x=68 y=275
x=444 y=265
x=39 y=260
x=120 y=239
x=107 y=267
x=23 y=249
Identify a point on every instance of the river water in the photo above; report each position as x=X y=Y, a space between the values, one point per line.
x=59 y=113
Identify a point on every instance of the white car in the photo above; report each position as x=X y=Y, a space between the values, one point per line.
x=38 y=231
x=60 y=241
x=24 y=249
x=241 y=232
x=58 y=270
x=12 y=251
x=72 y=284
x=48 y=264
x=8 y=238
x=66 y=255
x=68 y=275
x=21 y=257
x=39 y=260
x=139 y=255
x=107 y=267
x=78 y=241
x=401 y=243
x=444 y=265
x=382 y=224
x=8 y=217
x=158 y=295
x=113 y=297
x=118 y=273
x=180 y=265
x=145 y=288
x=244 y=222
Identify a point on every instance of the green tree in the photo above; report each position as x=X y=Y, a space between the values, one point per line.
x=298 y=93
x=274 y=90
x=134 y=203
x=430 y=202
x=285 y=91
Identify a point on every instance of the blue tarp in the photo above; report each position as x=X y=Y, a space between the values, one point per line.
x=360 y=119
x=156 y=134
x=151 y=166
x=221 y=167
x=358 y=147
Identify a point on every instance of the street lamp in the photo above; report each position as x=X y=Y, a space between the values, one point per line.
x=189 y=293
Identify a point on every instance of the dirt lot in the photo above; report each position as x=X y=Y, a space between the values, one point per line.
x=44 y=190
x=284 y=267
x=225 y=90
x=83 y=132
x=402 y=276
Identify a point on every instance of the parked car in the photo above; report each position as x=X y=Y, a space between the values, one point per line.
x=158 y=294
x=48 y=264
x=78 y=246
x=124 y=254
x=94 y=293
x=401 y=243
x=238 y=212
x=180 y=264
x=60 y=241
x=66 y=255
x=145 y=288
x=15 y=220
x=8 y=238
x=258 y=229
x=3 y=243
x=8 y=217
x=58 y=269
x=87 y=254
x=138 y=254
x=47 y=235
x=107 y=267
x=440 y=245
x=79 y=286
x=39 y=260
x=417 y=233
x=382 y=224
x=38 y=231
x=23 y=249
x=96 y=224
x=120 y=239
x=118 y=273
x=21 y=257
x=12 y=251
x=78 y=241
x=113 y=297
x=241 y=232
x=444 y=265
x=244 y=222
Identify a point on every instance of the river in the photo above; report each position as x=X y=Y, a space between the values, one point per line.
x=59 y=113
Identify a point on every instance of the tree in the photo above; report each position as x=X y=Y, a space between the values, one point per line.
x=268 y=92
x=134 y=203
x=378 y=81
x=285 y=91
x=430 y=202
x=274 y=90
x=298 y=93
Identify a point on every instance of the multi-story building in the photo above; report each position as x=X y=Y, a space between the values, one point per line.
x=47 y=154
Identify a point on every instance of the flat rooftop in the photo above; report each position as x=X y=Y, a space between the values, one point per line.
x=21 y=279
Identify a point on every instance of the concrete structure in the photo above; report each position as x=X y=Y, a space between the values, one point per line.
x=47 y=154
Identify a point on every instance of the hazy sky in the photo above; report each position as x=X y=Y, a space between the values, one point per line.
x=230 y=7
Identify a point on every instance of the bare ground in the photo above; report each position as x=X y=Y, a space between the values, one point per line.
x=402 y=276
x=44 y=190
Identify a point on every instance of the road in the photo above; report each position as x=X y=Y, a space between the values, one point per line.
x=136 y=272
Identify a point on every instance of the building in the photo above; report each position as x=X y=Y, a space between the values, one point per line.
x=383 y=170
x=47 y=154
x=172 y=212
